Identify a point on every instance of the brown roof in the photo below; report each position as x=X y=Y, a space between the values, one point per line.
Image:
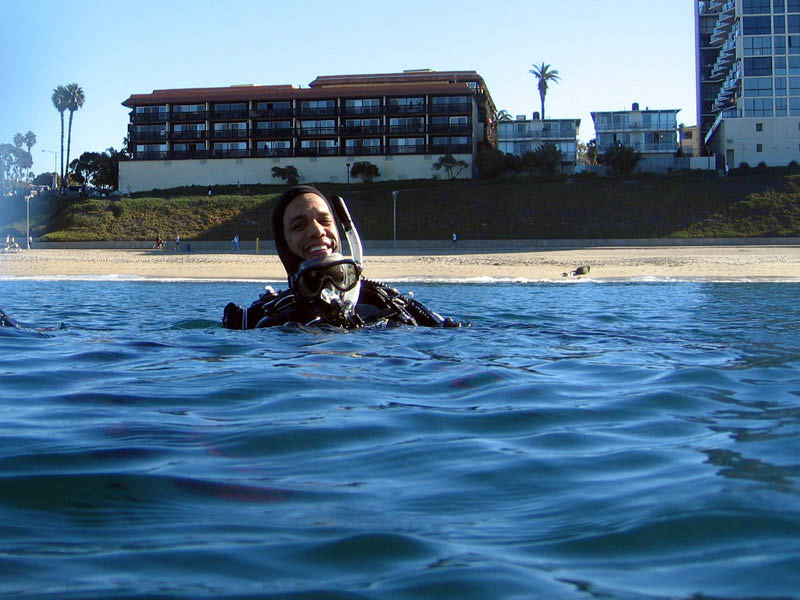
x=404 y=77
x=288 y=92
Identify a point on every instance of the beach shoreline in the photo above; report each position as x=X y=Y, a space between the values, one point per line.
x=607 y=263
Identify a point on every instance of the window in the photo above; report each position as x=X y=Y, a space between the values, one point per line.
x=757 y=25
x=273 y=125
x=780 y=107
x=322 y=126
x=230 y=107
x=755 y=7
x=188 y=108
x=758 y=107
x=757 y=87
x=780 y=65
x=792 y=5
x=363 y=106
x=280 y=109
x=759 y=148
x=406 y=145
x=794 y=44
x=779 y=24
x=780 y=44
x=758 y=66
x=794 y=107
x=778 y=6
x=759 y=127
x=780 y=86
x=402 y=124
x=794 y=86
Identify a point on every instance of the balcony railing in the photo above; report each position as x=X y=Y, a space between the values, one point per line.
x=198 y=115
x=319 y=112
x=160 y=117
x=184 y=154
x=231 y=153
x=318 y=151
x=227 y=115
x=151 y=155
x=190 y=134
x=361 y=129
x=278 y=113
x=148 y=136
x=407 y=128
x=230 y=134
x=363 y=150
x=314 y=131
x=451 y=148
x=407 y=149
x=405 y=109
x=272 y=132
x=450 y=127
x=272 y=152
x=450 y=108
x=361 y=110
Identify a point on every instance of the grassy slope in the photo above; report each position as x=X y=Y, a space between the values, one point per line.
x=755 y=203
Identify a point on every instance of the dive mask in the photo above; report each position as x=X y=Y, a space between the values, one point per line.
x=331 y=285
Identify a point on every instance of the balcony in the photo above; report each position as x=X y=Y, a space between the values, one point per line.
x=451 y=108
x=318 y=151
x=407 y=149
x=267 y=133
x=272 y=152
x=189 y=134
x=186 y=154
x=231 y=153
x=198 y=115
x=159 y=117
x=451 y=148
x=325 y=111
x=230 y=134
x=420 y=128
x=363 y=150
x=273 y=113
x=361 y=110
x=362 y=129
x=406 y=109
x=149 y=136
x=315 y=131
x=450 y=128
x=228 y=115
x=151 y=155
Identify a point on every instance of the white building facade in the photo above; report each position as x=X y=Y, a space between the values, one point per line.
x=748 y=80
x=525 y=135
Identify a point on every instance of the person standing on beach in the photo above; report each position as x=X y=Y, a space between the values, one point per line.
x=455 y=239
x=177 y=241
x=236 y=242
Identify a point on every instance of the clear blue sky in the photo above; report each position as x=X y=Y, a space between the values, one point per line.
x=609 y=54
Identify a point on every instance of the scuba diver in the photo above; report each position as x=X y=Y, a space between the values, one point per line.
x=6 y=321
x=326 y=286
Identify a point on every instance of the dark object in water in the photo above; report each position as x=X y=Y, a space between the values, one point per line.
x=583 y=270
x=6 y=321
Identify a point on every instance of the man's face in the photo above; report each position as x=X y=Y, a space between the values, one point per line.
x=309 y=227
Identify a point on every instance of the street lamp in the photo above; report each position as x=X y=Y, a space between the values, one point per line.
x=394 y=219
x=55 y=167
x=28 y=220
x=348 y=173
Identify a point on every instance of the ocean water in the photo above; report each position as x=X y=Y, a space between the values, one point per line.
x=625 y=440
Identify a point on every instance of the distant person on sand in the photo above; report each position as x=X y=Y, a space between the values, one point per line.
x=455 y=239
x=236 y=242
x=177 y=242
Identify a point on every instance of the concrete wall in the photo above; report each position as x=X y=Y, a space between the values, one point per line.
x=144 y=175
x=779 y=138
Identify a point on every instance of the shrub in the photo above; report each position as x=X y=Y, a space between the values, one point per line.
x=365 y=170
x=288 y=173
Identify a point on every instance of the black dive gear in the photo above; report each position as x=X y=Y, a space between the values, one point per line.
x=6 y=321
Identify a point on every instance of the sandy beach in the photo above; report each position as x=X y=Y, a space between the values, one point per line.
x=667 y=262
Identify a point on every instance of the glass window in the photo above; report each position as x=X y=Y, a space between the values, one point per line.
x=794 y=44
x=780 y=107
x=794 y=86
x=780 y=86
x=758 y=45
x=755 y=7
x=780 y=44
x=794 y=107
x=758 y=66
x=793 y=5
x=793 y=23
x=780 y=65
x=758 y=107
x=757 y=87
x=779 y=24
x=778 y=6
x=757 y=25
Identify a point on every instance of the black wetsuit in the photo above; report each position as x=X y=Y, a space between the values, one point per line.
x=378 y=305
x=6 y=321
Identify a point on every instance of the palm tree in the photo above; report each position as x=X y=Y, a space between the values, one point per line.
x=75 y=101
x=60 y=100
x=19 y=140
x=29 y=139
x=545 y=75
x=503 y=115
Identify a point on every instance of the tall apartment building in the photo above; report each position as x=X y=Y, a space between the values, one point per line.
x=401 y=122
x=524 y=135
x=748 y=80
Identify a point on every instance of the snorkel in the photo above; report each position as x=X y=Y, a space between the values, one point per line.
x=329 y=285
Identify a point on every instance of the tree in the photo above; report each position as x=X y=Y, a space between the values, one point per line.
x=622 y=160
x=504 y=115
x=75 y=101
x=366 y=170
x=548 y=158
x=545 y=75
x=289 y=174
x=19 y=140
x=450 y=164
x=29 y=140
x=491 y=162
x=14 y=163
x=60 y=100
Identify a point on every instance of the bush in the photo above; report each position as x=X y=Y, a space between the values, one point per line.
x=762 y=165
x=365 y=170
x=744 y=166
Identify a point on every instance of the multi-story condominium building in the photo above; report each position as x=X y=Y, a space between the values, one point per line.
x=524 y=135
x=748 y=80
x=689 y=140
x=401 y=122
x=651 y=132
